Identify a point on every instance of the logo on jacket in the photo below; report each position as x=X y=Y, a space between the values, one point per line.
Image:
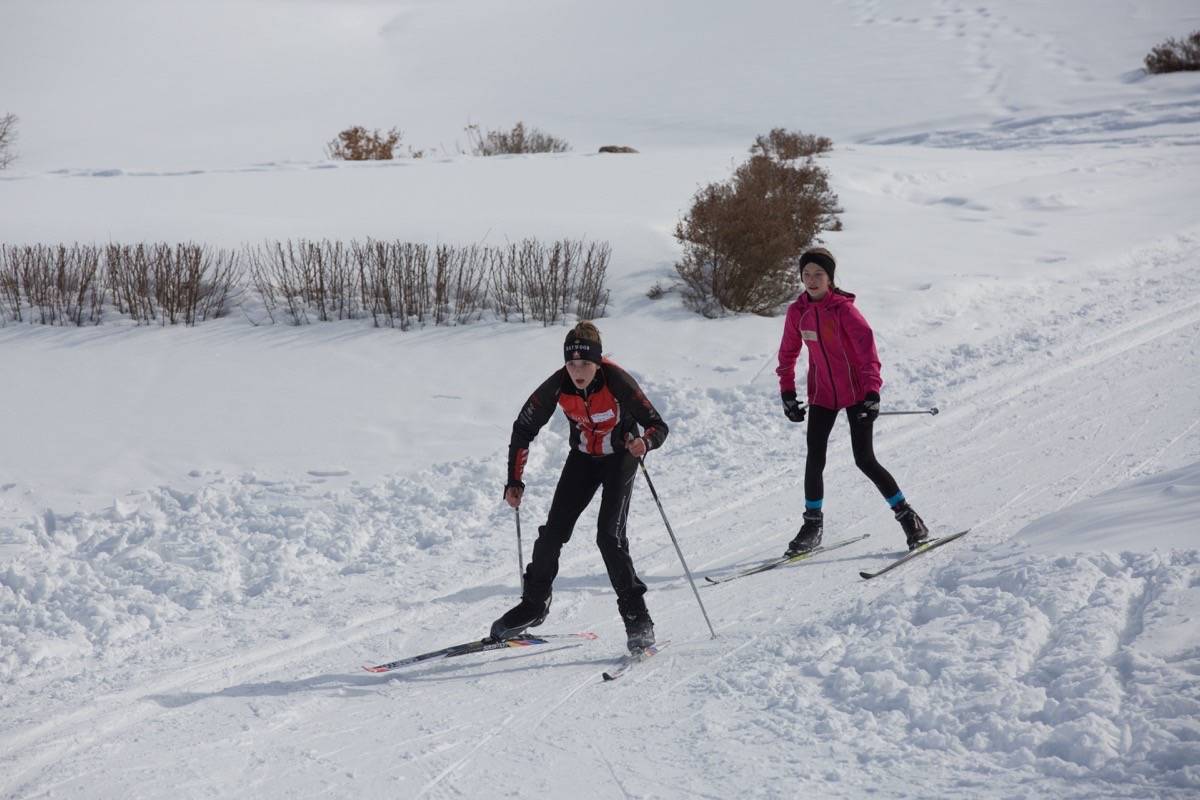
x=604 y=415
x=809 y=336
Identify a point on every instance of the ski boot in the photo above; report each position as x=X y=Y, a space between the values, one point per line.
x=639 y=630
x=915 y=530
x=529 y=613
x=809 y=535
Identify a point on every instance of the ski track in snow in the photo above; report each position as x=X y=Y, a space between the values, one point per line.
x=1053 y=685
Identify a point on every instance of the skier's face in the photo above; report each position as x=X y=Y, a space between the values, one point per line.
x=581 y=372
x=816 y=281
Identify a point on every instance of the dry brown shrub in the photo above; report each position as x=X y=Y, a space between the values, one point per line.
x=51 y=285
x=185 y=283
x=516 y=141
x=359 y=144
x=742 y=238
x=1175 y=55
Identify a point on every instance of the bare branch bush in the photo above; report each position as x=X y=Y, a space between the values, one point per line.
x=10 y=284
x=180 y=284
x=395 y=279
x=469 y=271
x=591 y=296
x=128 y=279
x=8 y=137
x=536 y=281
x=59 y=285
x=742 y=239
x=382 y=292
x=539 y=281
x=192 y=282
x=516 y=141
x=504 y=284
x=303 y=276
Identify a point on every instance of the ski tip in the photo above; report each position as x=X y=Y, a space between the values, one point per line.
x=710 y=580
x=370 y=668
x=866 y=575
x=588 y=635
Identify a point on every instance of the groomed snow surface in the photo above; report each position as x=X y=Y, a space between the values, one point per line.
x=205 y=532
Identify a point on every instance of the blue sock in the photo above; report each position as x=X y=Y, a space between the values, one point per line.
x=813 y=505
x=896 y=499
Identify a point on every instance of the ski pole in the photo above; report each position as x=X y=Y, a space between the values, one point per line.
x=675 y=542
x=930 y=411
x=520 y=557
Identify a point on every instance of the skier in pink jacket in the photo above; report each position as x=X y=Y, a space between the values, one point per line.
x=843 y=372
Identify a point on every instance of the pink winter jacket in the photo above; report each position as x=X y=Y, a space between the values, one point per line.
x=843 y=364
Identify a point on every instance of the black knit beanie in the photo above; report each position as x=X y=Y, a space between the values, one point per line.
x=576 y=348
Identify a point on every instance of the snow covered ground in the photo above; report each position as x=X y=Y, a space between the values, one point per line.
x=203 y=532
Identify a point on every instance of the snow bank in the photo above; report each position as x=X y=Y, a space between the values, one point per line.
x=1044 y=662
x=1161 y=512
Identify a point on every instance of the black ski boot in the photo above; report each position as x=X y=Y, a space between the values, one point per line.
x=809 y=535
x=915 y=530
x=639 y=629
x=529 y=613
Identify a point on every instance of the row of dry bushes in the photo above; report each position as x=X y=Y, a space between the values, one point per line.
x=356 y=143
x=149 y=283
x=404 y=284
x=397 y=284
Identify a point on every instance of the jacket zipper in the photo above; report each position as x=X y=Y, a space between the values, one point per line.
x=591 y=426
x=825 y=355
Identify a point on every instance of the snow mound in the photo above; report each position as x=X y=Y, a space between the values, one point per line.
x=1052 y=667
x=1041 y=662
x=1158 y=512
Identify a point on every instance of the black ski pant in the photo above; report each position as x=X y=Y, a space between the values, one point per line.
x=581 y=476
x=820 y=425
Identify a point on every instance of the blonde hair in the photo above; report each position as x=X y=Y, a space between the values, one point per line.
x=587 y=330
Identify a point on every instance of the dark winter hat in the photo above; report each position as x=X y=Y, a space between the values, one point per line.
x=581 y=348
x=822 y=258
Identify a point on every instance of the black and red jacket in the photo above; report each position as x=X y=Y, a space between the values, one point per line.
x=601 y=416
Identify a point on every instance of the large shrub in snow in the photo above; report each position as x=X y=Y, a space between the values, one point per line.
x=742 y=238
x=1175 y=55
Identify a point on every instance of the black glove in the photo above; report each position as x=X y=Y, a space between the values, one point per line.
x=792 y=408
x=868 y=409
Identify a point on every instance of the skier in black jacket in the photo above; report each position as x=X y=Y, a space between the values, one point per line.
x=612 y=425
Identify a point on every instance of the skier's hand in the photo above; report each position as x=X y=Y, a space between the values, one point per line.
x=513 y=492
x=793 y=409
x=636 y=447
x=868 y=409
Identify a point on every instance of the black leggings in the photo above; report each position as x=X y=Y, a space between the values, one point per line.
x=820 y=425
x=581 y=476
